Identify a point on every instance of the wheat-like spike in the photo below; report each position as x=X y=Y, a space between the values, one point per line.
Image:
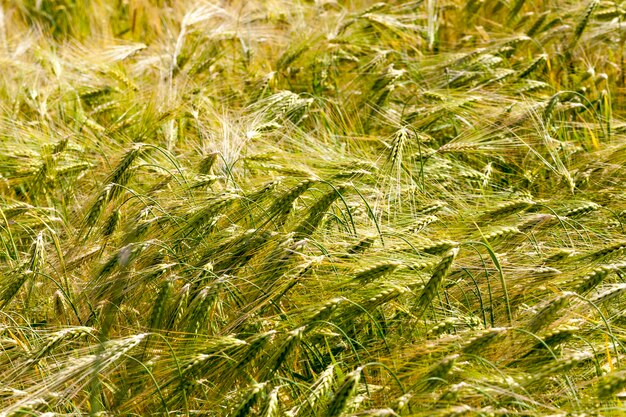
x=609 y=13
x=560 y=366
x=508 y=208
x=457 y=147
x=54 y=340
x=293 y=278
x=557 y=336
x=121 y=173
x=537 y=64
x=355 y=403
x=321 y=388
x=534 y=29
x=473 y=175
x=201 y=308
x=582 y=24
x=373 y=8
x=463 y=78
x=528 y=86
x=418 y=266
x=502 y=233
x=59 y=304
x=109 y=266
x=286 y=105
x=447 y=325
x=282 y=256
x=376 y=272
x=158 y=308
x=143 y=226
x=421 y=223
x=512 y=43
x=110 y=226
x=124 y=122
x=476 y=344
x=319 y=391
x=612 y=249
x=556 y=25
x=317 y=212
x=353 y=174
x=238 y=251
x=205 y=277
x=552 y=339
x=324 y=313
x=400 y=139
x=86 y=255
x=467 y=58
x=439 y=247
x=29 y=270
x=344 y=394
x=180 y=311
x=432 y=286
x=209 y=213
x=560 y=255
x=104 y=107
x=201 y=65
x=500 y=74
x=111 y=352
x=264 y=190
x=206 y=165
x=284 y=204
x=434 y=96
x=288 y=346
x=120 y=77
x=272 y=409
x=290 y=56
x=32 y=406
x=545 y=271
x=384 y=296
x=255 y=346
x=582 y=209
x=551 y=104
x=471 y=7
x=73 y=169
x=515 y=8
x=43 y=174
x=595 y=277
x=609 y=292
x=203 y=181
x=37 y=254
x=549 y=312
x=187 y=379
x=196 y=365
x=385 y=83
x=12 y=210
x=98 y=206
x=93 y=93
x=245 y=406
x=431 y=208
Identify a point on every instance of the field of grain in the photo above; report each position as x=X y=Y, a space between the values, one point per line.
x=312 y=208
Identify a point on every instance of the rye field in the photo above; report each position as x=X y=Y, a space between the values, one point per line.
x=312 y=208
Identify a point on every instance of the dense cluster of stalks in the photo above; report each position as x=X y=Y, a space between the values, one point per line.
x=312 y=208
